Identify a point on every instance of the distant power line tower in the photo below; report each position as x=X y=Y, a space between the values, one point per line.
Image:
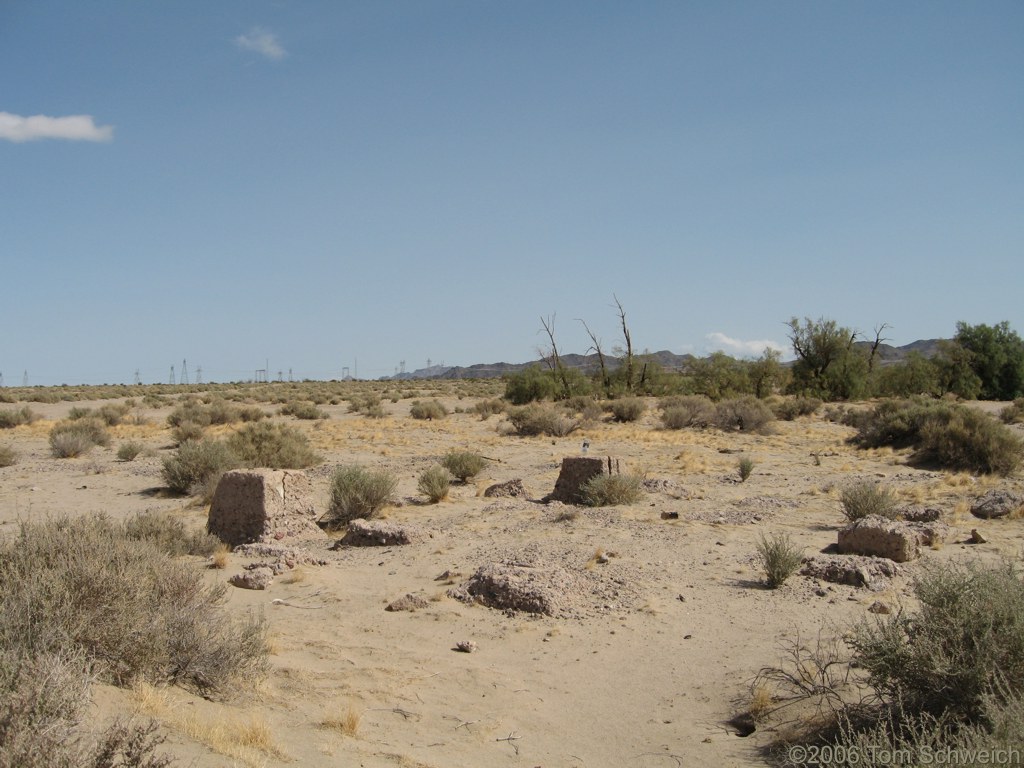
x=184 y=372
x=402 y=366
x=199 y=375
x=344 y=372
x=137 y=379
x=24 y=379
x=290 y=375
x=171 y=379
x=1 y=378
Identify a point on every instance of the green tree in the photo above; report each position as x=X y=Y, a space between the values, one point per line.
x=828 y=365
x=719 y=376
x=996 y=355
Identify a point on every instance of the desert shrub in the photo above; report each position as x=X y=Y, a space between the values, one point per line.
x=628 y=409
x=130 y=450
x=303 y=410
x=486 y=408
x=277 y=446
x=192 y=411
x=169 y=534
x=15 y=418
x=72 y=587
x=428 y=409
x=75 y=438
x=779 y=557
x=681 y=412
x=744 y=466
x=250 y=413
x=790 y=408
x=531 y=420
x=463 y=464
x=220 y=411
x=434 y=483
x=864 y=497
x=8 y=456
x=374 y=411
x=187 y=430
x=358 y=492
x=529 y=385
x=966 y=642
x=197 y=464
x=113 y=414
x=946 y=434
x=745 y=414
x=611 y=490
x=79 y=412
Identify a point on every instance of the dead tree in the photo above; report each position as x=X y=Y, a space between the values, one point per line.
x=606 y=383
x=555 y=361
x=629 y=344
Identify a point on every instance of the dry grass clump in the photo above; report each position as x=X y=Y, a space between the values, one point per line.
x=864 y=497
x=346 y=721
x=273 y=445
x=69 y=439
x=358 y=492
x=169 y=534
x=303 y=410
x=789 y=408
x=612 y=490
x=463 y=464
x=1013 y=413
x=434 y=483
x=187 y=430
x=8 y=456
x=16 y=417
x=532 y=420
x=779 y=557
x=428 y=410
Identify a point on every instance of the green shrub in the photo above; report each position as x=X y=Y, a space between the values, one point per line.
x=463 y=464
x=779 y=557
x=529 y=385
x=531 y=420
x=130 y=450
x=169 y=534
x=15 y=418
x=1013 y=413
x=864 y=497
x=612 y=490
x=687 y=411
x=628 y=409
x=428 y=409
x=8 y=456
x=790 y=408
x=81 y=589
x=273 y=445
x=303 y=410
x=197 y=465
x=744 y=466
x=358 y=492
x=744 y=414
x=946 y=434
x=486 y=408
x=434 y=483
x=75 y=438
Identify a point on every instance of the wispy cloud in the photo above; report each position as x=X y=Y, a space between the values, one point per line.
x=262 y=42
x=720 y=342
x=71 y=128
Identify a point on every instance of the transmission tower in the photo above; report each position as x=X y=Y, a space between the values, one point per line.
x=290 y=379
x=137 y=379
x=199 y=374
x=402 y=366
x=171 y=379
x=428 y=362
x=280 y=375
x=24 y=379
x=1 y=378
x=184 y=372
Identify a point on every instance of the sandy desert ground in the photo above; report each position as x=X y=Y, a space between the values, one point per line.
x=653 y=656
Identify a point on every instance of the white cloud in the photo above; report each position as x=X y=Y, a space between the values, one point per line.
x=262 y=42
x=720 y=342
x=72 y=128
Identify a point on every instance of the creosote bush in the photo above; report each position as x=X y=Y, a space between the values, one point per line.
x=69 y=439
x=197 y=466
x=169 y=534
x=532 y=420
x=864 y=497
x=779 y=557
x=611 y=490
x=789 y=408
x=945 y=434
x=743 y=414
x=434 y=483
x=8 y=456
x=486 y=408
x=358 y=492
x=15 y=418
x=187 y=430
x=272 y=445
x=428 y=410
x=303 y=410
x=463 y=464
x=684 y=411
x=628 y=409
x=130 y=450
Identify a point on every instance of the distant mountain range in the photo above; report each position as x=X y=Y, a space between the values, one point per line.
x=588 y=364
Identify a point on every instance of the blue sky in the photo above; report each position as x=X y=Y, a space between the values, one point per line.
x=331 y=184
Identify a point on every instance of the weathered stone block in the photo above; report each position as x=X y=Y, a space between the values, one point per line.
x=263 y=505
x=881 y=537
x=575 y=473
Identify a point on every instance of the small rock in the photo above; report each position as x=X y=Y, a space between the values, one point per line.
x=997 y=503
x=407 y=603
x=879 y=607
x=255 y=578
x=669 y=515
x=465 y=646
